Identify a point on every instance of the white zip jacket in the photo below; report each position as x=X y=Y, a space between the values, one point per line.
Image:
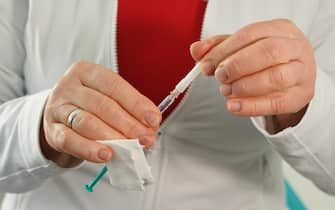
x=205 y=158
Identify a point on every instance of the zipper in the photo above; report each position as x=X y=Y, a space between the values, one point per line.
x=163 y=159
x=114 y=62
x=187 y=93
x=114 y=66
x=113 y=36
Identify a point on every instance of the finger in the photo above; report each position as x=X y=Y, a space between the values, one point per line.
x=257 y=57
x=270 y=80
x=68 y=141
x=113 y=115
x=112 y=85
x=287 y=102
x=86 y=124
x=245 y=37
x=200 y=48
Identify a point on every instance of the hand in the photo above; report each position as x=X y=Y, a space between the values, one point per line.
x=266 y=68
x=110 y=109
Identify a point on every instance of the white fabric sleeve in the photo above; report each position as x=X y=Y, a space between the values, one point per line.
x=22 y=165
x=309 y=147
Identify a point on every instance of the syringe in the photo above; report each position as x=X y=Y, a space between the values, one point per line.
x=180 y=88
x=168 y=100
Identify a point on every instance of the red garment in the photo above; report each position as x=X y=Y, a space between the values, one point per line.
x=153 y=43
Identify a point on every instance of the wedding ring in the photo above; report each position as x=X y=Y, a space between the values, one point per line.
x=71 y=117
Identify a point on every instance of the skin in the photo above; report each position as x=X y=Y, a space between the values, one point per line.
x=106 y=114
x=265 y=69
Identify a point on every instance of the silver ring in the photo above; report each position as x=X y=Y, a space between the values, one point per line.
x=71 y=117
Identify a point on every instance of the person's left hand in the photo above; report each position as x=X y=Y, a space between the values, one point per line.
x=266 y=68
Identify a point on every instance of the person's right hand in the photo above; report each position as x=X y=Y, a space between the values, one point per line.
x=110 y=109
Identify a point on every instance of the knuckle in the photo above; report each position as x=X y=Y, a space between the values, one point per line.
x=240 y=88
x=63 y=92
x=115 y=82
x=82 y=121
x=131 y=129
x=61 y=138
x=284 y=21
x=110 y=112
x=93 y=73
x=103 y=106
x=53 y=111
x=277 y=105
x=217 y=53
x=67 y=85
x=80 y=65
x=254 y=109
x=246 y=34
x=272 y=50
x=89 y=155
x=61 y=88
x=233 y=68
x=279 y=77
x=290 y=28
x=209 y=62
x=137 y=104
x=214 y=39
x=58 y=90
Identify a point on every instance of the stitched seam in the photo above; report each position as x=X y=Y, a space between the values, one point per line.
x=17 y=173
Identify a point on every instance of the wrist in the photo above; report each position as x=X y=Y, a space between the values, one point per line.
x=277 y=123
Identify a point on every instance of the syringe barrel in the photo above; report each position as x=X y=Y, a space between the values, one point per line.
x=186 y=81
x=166 y=103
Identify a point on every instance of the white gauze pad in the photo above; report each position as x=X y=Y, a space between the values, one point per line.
x=128 y=169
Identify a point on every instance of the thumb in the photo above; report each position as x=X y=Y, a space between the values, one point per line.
x=200 y=48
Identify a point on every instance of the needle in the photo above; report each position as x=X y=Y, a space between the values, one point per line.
x=164 y=105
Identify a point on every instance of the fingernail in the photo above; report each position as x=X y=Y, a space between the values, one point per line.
x=195 y=44
x=147 y=140
x=234 y=106
x=197 y=50
x=226 y=90
x=207 y=67
x=104 y=155
x=152 y=119
x=221 y=74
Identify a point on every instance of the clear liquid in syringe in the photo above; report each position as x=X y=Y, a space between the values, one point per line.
x=166 y=103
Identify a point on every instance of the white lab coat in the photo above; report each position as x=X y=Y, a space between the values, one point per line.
x=205 y=158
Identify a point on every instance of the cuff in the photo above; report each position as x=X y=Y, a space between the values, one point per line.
x=309 y=146
x=311 y=120
x=29 y=119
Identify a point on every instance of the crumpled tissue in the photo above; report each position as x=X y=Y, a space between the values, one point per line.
x=128 y=169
